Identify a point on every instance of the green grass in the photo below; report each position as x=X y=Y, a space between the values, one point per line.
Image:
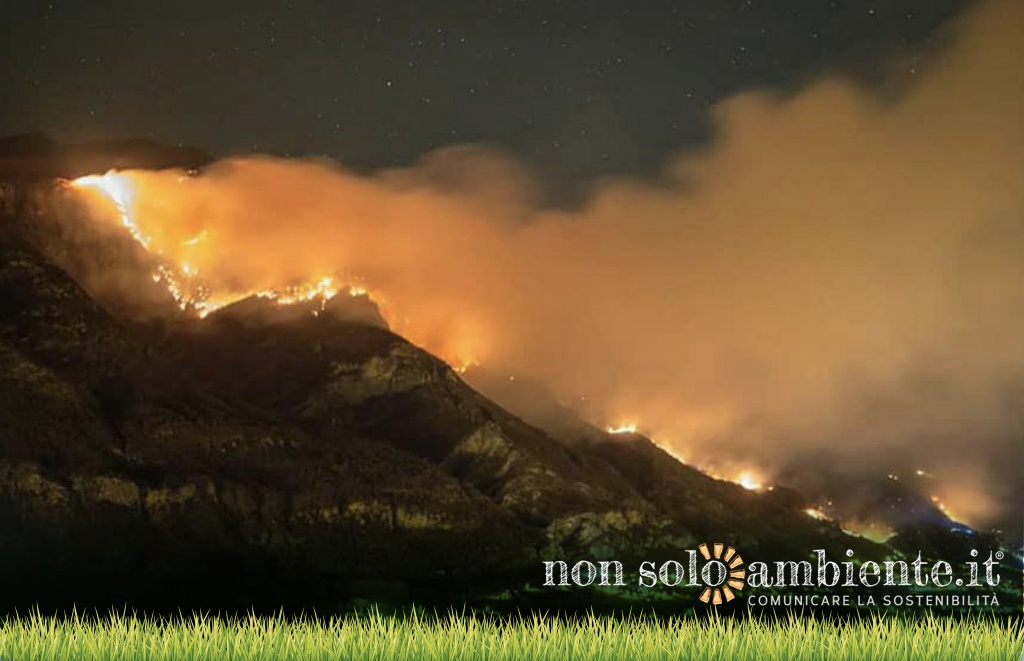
x=381 y=638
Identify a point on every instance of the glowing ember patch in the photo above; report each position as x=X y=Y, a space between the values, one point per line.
x=815 y=513
x=322 y=289
x=749 y=481
x=208 y=306
x=629 y=428
x=944 y=509
x=465 y=366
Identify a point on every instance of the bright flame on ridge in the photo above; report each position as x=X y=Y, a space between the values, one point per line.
x=183 y=281
x=942 y=507
x=816 y=513
x=749 y=481
x=119 y=190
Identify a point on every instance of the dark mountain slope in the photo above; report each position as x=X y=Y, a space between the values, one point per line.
x=267 y=456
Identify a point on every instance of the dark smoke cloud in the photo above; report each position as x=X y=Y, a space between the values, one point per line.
x=841 y=269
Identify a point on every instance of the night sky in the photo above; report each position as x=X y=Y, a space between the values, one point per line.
x=577 y=89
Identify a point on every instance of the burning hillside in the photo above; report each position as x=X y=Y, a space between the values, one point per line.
x=175 y=271
x=254 y=459
x=803 y=292
x=115 y=194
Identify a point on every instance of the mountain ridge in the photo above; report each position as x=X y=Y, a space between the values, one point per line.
x=265 y=456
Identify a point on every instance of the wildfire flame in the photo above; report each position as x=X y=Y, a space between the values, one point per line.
x=323 y=289
x=747 y=478
x=749 y=481
x=464 y=366
x=816 y=513
x=177 y=253
x=183 y=280
x=119 y=190
x=942 y=507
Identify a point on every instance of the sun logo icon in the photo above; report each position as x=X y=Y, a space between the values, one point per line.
x=721 y=574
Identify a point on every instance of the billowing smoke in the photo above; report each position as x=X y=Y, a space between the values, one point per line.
x=840 y=273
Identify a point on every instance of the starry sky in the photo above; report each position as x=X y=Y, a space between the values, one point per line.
x=579 y=89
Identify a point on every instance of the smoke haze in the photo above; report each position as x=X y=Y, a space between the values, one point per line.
x=840 y=271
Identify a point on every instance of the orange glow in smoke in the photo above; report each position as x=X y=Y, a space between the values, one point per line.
x=183 y=280
x=942 y=507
